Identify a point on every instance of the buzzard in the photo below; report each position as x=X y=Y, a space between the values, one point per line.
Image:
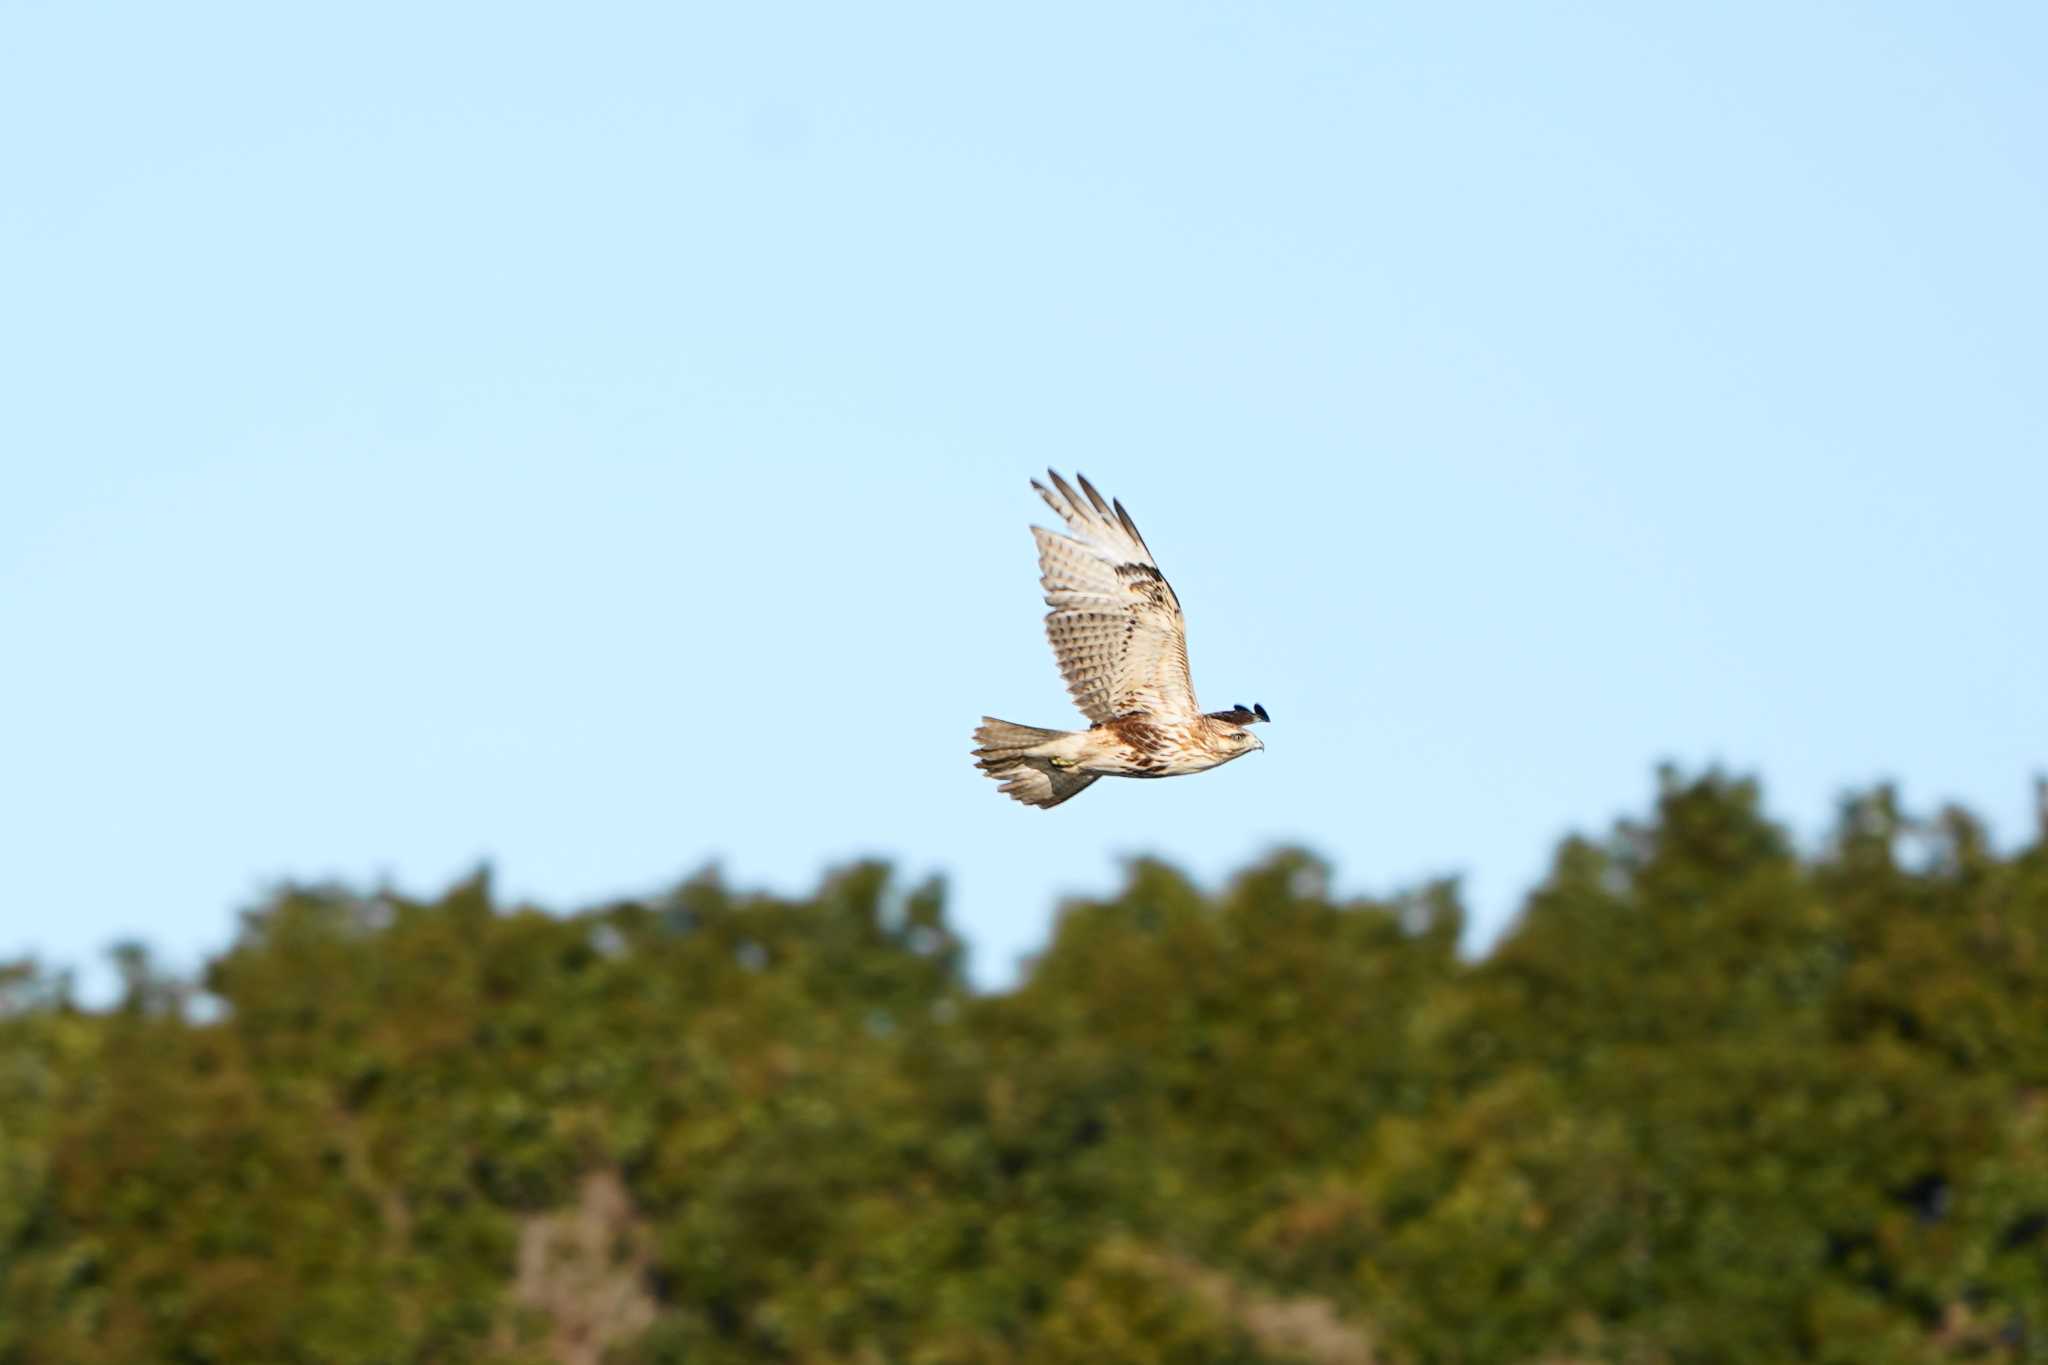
x=1121 y=643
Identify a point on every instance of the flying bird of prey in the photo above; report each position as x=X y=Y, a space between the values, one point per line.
x=1117 y=632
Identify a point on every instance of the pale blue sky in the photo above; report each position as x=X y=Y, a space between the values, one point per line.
x=594 y=439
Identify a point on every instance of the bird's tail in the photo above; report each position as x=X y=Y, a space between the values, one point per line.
x=1017 y=757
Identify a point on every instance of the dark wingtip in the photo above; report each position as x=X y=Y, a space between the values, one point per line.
x=1259 y=710
x=1128 y=524
x=1066 y=489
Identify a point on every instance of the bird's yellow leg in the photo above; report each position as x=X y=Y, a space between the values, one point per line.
x=1065 y=762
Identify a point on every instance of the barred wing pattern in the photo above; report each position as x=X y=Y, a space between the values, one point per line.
x=1115 y=624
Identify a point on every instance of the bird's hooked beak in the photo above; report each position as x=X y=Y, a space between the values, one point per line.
x=1258 y=743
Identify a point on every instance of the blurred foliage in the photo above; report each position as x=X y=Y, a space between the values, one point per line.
x=1709 y=1100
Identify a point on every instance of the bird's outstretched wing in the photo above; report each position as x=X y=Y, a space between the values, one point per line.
x=1115 y=624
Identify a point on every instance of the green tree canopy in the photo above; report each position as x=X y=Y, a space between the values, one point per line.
x=1712 y=1098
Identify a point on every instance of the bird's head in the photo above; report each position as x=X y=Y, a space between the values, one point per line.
x=1235 y=724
